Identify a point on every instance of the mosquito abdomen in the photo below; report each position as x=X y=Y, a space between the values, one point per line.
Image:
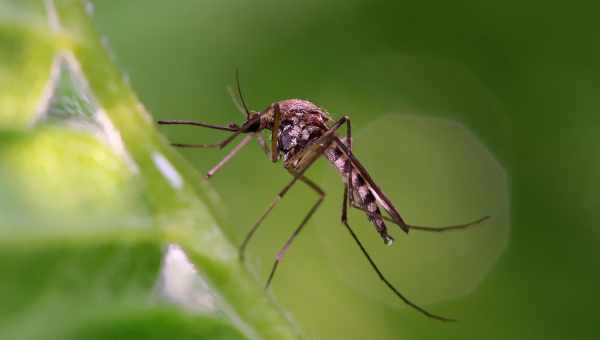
x=361 y=194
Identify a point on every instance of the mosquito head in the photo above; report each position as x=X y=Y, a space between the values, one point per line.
x=253 y=124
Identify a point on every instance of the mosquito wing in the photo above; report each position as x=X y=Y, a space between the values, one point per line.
x=381 y=198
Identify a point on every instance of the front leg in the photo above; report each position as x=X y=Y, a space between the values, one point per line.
x=288 y=243
x=275 y=132
x=309 y=156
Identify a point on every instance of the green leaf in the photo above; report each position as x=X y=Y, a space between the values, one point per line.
x=92 y=197
x=26 y=53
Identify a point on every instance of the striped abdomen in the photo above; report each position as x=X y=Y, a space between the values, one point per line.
x=361 y=191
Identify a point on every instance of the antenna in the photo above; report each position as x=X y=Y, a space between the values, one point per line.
x=239 y=91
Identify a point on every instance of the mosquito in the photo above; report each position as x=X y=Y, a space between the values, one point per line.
x=301 y=132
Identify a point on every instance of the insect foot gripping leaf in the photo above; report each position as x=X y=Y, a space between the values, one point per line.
x=104 y=231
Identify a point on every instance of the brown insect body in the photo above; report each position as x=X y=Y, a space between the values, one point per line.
x=362 y=194
x=301 y=132
x=303 y=122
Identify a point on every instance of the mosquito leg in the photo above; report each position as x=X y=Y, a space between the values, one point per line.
x=450 y=227
x=345 y=206
x=275 y=129
x=233 y=152
x=313 y=186
x=347 y=148
x=232 y=128
x=287 y=244
x=229 y=156
x=321 y=144
x=236 y=132
x=263 y=144
x=433 y=229
x=314 y=156
x=376 y=269
x=199 y=146
x=278 y=198
x=349 y=144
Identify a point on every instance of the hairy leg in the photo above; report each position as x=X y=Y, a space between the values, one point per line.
x=195 y=123
x=276 y=200
x=429 y=228
x=317 y=149
x=287 y=244
x=229 y=156
x=376 y=269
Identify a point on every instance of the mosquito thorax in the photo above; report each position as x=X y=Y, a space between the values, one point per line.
x=295 y=111
x=301 y=122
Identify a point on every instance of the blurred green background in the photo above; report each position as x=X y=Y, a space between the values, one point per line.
x=521 y=77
